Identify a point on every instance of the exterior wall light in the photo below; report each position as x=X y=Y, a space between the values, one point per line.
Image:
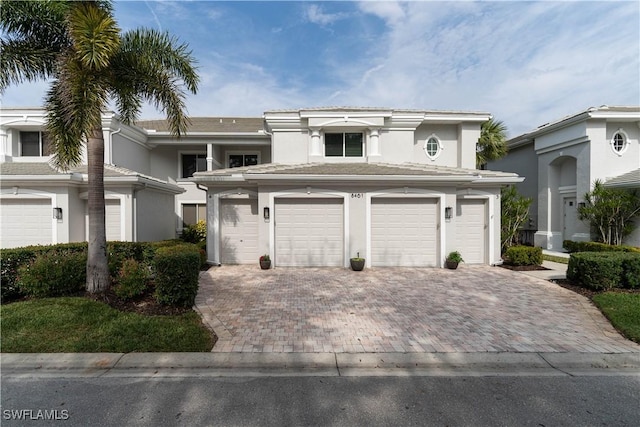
x=582 y=204
x=57 y=213
x=448 y=212
x=266 y=213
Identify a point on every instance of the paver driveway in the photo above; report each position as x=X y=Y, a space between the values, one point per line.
x=472 y=309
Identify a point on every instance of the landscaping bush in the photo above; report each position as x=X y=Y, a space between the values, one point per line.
x=53 y=274
x=177 y=269
x=524 y=255
x=195 y=233
x=131 y=280
x=13 y=259
x=572 y=246
x=118 y=252
x=604 y=270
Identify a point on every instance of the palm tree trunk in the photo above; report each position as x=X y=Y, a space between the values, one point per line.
x=97 y=267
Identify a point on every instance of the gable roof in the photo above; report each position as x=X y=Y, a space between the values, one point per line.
x=335 y=172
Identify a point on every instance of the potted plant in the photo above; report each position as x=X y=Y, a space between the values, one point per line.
x=265 y=262
x=453 y=259
x=357 y=263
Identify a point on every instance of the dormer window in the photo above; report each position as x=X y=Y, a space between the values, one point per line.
x=344 y=144
x=34 y=144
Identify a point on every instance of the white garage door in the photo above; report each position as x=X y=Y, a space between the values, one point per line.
x=471 y=230
x=26 y=222
x=239 y=231
x=113 y=219
x=309 y=232
x=404 y=232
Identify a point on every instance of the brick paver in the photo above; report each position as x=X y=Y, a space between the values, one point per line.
x=472 y=309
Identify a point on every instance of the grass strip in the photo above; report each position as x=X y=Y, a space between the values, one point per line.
x=554 y=258
x=75 y=324
x=622 y=310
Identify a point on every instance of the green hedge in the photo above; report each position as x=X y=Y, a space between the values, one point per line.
x=53 y=274
x=572 y=246
x=177 y=270
x=13 y=259
x=524 y=255
x=605 y=270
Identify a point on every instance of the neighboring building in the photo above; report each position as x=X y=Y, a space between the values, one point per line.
x=147 y=189
x=561 y=161
x=399 y=187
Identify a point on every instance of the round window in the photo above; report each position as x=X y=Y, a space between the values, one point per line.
x=619 y=142
x=432 y=147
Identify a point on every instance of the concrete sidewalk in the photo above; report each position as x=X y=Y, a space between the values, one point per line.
x=149 y=365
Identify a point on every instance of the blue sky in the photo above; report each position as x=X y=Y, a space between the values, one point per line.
x=527 y=63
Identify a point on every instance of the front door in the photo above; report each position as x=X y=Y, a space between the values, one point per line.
x=569 y=218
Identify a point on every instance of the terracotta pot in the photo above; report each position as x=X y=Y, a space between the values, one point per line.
x=357 y=264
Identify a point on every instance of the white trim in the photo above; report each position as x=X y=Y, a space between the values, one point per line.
x=408 y=193
x=315 y=193
x=18 y=193
x=567 y=189
x=323 y=136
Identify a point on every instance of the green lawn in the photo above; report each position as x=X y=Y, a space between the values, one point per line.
x=75 y=324
x=554 y=258
x=623 y=310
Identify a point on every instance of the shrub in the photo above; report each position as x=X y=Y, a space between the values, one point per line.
x=195 y=233
x=13 y=259
x=118 y=252
x=524 y=255
x=604 y=270
x=53 y=274
x=131 y=280
x=177 y=269
x=572 y=246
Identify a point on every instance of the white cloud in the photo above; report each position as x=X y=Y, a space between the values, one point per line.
x=314 y=14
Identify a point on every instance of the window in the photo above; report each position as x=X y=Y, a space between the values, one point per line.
x=193 y=212
x=192 y=163
x=343 y=144
x=432 y=147
x=619 y=142
x=239 y=160
x=34 y=144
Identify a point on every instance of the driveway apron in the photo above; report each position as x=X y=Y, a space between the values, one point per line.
x=472 y=309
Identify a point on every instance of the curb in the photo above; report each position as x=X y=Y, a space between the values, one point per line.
x=317 y=364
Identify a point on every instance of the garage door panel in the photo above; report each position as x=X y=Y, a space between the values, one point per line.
x=238 y=231
x=26 y=222
x=404 y=232
x=471 y=230
x=309 y=232
x=113 y=220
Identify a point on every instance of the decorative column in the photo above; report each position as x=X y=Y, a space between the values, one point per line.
x=209 y=157
x=315 y=149
x=374 y=144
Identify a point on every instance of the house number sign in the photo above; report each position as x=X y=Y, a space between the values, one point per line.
x=357 y=195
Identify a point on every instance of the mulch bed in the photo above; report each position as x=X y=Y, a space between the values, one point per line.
x=145 y=304
x=523 y=267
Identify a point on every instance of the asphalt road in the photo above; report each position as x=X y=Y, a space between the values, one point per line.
x=337 y=401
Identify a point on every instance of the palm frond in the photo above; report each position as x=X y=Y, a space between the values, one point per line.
x=95 y=35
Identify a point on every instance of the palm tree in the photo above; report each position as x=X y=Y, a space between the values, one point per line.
x=79 y=46
x=492 y=143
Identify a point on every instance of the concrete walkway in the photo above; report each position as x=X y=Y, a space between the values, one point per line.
x=475 y=309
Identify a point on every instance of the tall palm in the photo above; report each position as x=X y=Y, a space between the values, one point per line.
x=492 y=143
x=91 y=63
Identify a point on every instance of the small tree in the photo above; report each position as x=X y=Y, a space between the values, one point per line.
x=515 y=211
x=492 y=144
x=610 y=212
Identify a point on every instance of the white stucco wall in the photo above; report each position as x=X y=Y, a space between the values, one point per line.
x=155 y=219
x=290 y=147
x=128 y=154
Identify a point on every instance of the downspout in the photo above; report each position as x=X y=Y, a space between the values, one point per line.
x=110 y=159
